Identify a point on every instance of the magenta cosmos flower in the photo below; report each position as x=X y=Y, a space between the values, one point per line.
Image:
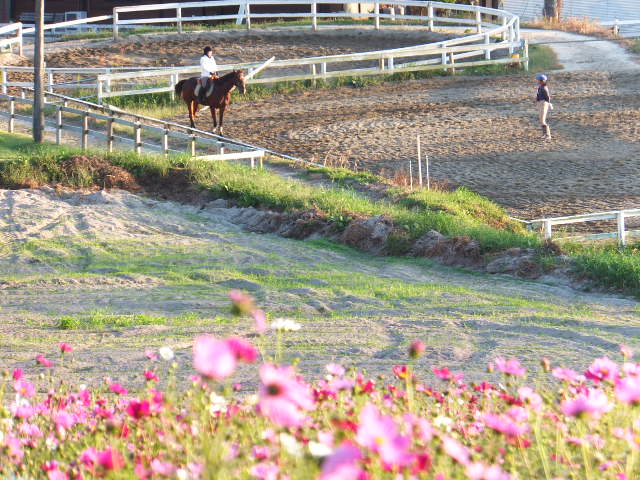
x=283 y=396
x=593 y=402
x=380 y=434
x=602 y=369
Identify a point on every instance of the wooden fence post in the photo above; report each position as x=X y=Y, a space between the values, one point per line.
x=4 y=80
x=526 y=55
x=138 y=139
x=390 y=63
x=110 y=133
x=115 y=23
x=100 y=90
x=453 y=62
x=547 y=229
x=444 y=54
x=419 y=164
x=426 y=161
x=504 y=25
x=410 y=176
x=84 y=140
x=247 y=13
x=179 y=18
x=430 y=15
x=50 y=81
x=192 y=145
x=478 y=20
x=12 y=114
x=58 y=125
x=622 y=235
x=376 y=10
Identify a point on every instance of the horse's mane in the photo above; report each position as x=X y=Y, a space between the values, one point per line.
x=228 y=76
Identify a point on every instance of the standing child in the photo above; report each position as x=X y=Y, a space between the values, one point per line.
x=543 y=100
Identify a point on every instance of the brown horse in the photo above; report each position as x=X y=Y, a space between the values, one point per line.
x=219 y=98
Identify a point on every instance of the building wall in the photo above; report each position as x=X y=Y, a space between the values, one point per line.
x=602 y=10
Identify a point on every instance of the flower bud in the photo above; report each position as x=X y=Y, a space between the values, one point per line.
x=416 y=349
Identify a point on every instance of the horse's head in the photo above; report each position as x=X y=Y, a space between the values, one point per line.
x=239 y=81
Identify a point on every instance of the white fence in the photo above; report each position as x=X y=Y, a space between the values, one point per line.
x=488 y=38
x=91 y=121
x=13 y=39
x=619 y=216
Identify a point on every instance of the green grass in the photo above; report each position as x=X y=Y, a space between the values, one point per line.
x=101 y=319
x=635 y=48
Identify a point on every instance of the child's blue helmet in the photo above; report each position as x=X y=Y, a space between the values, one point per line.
x=541 y=77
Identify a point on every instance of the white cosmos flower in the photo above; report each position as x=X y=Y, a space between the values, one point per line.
x=318 y=449
x=218 y=403
x=290 y=444
x=166 y=354
x=285 y=324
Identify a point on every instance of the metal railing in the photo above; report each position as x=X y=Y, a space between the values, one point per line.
x=106 y=118
x=621 y=233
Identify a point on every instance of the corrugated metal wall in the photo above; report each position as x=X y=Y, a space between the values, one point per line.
x=598 y=9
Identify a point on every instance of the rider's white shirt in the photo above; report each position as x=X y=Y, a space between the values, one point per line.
x=208 y=65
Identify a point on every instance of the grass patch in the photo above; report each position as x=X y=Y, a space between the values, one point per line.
x=343 y=176
x=635 y=47
x=101 y=319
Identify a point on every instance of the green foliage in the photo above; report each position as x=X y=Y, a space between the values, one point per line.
x=342 y=176
x=101 y=319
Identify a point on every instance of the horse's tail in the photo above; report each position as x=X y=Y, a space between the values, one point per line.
x=179 y=86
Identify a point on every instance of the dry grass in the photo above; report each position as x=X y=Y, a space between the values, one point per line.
x=582 y=26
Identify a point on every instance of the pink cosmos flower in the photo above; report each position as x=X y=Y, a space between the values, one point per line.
x=593 y=402
x=213 y=358
x=242 y=303
x=626 y=351
x=530 y=398
x=261 y=320
x=564 y=374
x=445 y=374
x=455 y=450
x=24 y=388
x=602 y=369
x=335 y=369
x=504 y=425
x=242 y=349
x=17 y=374
x=479 y=471
x=163 y=469
x=149 y=376
x=283 y=397
x=628 y=389
x=265 y=471
x=64 y=420
x=150 y=355
x=416 y=349
x=42 y=360
x=119 y=389
x=380 y=434
x=89 y=457
x=342 y=464
x=66 y=348
x=139 y=409
x=509 y=367
x=110 y=459
x=22 y=410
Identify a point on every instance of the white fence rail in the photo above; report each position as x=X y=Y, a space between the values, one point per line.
x=619 y=216
x=12 y=40
x=91 y=121
x=487 y=39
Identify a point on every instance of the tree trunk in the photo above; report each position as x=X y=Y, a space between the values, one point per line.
x=552 y=9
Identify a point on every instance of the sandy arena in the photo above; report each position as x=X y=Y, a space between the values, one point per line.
x=478 y=131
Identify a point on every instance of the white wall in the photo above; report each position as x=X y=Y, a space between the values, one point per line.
x=597 y=9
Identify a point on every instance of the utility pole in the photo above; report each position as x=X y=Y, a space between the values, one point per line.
x=38 y=72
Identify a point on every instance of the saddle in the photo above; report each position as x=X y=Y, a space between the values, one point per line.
x=208 y=88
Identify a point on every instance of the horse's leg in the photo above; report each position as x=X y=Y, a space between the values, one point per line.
x=213 y=119
x=196 y=107
x=222 y=109
x=191 y=111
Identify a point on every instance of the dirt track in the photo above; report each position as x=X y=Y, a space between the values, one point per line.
x=480 y=132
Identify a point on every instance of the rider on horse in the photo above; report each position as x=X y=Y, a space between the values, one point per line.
x=209 y=69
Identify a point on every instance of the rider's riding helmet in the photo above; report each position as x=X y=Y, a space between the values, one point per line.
x=207 y=50
x=541 y=78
